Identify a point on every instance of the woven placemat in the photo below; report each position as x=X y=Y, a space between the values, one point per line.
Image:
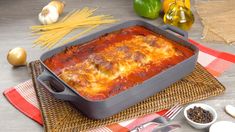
x=61 y=116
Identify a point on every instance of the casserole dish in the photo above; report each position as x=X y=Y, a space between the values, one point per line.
x=105 y=107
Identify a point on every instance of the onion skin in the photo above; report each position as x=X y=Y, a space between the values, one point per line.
x=59 y=5
x=17 y=56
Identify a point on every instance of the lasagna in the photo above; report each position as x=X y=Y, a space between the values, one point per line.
x=116 y=61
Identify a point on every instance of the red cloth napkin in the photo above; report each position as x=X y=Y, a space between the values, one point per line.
x=23 y=96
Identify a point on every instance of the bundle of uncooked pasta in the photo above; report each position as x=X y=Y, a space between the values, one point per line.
x=51 y=34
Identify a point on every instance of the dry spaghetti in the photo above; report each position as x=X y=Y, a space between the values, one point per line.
x=50 y=35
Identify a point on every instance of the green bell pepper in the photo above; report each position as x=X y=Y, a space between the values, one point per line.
x=148 y=8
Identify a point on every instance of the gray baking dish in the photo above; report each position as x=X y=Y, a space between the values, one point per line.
x=114 y=104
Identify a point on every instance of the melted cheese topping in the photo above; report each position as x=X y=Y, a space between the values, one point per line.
x=95 y=76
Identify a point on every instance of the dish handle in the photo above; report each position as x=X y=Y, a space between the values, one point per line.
x=175 y=30
x=55 y=87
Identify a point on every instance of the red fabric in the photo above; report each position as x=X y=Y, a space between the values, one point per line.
x=117 y=127
x=24 y=106
x=218 y=54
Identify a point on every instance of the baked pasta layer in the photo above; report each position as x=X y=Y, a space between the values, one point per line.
x=115 y=62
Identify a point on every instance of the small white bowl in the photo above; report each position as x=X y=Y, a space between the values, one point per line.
x=222 y=126
x=200 y=125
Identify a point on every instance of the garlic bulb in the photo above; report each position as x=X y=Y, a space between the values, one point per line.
x=48 y=15
x=17 y=56
x=59 y=5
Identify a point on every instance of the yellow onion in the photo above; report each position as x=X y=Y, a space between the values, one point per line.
x=58 y=5
x=17 y=56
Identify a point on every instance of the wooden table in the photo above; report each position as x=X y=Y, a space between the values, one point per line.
x=17 y=16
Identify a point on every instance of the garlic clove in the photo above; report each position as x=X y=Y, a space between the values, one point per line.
x=230 y=110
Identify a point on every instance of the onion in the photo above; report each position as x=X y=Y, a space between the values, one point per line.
x=59 y=5
x=17 y=56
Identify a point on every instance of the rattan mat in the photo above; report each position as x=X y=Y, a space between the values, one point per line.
x=61 y=116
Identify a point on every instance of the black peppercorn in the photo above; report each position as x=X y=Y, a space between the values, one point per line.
x=199 y=115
